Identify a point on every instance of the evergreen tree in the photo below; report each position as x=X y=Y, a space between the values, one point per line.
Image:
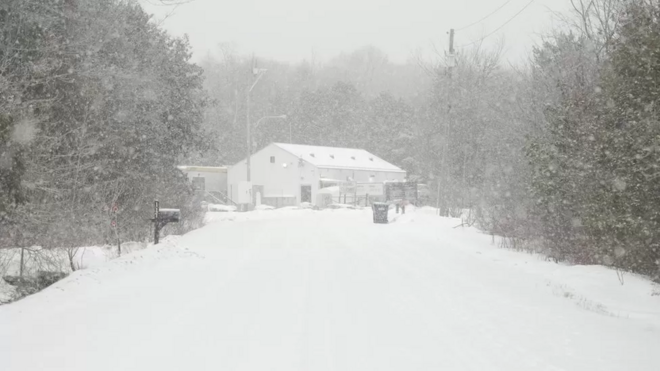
x=115 y=105
x=562 y=153
x=629 y=219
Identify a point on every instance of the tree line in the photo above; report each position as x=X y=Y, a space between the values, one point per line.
x=558 y=155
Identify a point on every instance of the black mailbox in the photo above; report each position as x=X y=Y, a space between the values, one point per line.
x=169 y=215
x=162 y=217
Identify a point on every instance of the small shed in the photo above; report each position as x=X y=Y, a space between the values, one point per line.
x=207 y=179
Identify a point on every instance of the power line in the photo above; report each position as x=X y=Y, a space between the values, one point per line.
x=484 y=18
x=500 y=27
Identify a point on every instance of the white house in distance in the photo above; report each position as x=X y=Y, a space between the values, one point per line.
x=208 y=179
x=288 y=174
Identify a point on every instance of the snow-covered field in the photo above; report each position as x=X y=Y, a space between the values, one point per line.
x=299 y=289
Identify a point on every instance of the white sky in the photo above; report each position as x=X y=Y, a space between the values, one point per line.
x=293 y=30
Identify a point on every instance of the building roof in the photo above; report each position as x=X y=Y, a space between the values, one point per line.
x=339 y=158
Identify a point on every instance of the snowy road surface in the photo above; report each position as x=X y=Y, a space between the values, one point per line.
x=329 y=290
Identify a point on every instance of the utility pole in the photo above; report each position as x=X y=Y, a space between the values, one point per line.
x=256 y=73
x=247 y=123
x=445 y=164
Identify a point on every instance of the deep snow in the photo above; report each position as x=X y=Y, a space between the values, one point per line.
x=329 y=290
x=56 y=260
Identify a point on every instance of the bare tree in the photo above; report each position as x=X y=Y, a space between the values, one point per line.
x=596 y=20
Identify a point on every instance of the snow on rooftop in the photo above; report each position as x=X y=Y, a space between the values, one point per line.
x=339 y=158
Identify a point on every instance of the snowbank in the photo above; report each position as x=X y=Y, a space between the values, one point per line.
x=263 y=207
x=221 y=208
x=56 y=260
x=344 y=206
x=594 y=288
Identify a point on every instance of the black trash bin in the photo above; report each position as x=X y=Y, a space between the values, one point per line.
x=380 y=212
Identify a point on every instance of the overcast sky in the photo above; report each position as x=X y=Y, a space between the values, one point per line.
x=293 y=30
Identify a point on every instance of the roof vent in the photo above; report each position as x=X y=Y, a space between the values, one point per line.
x=371 y=158
x=332 y=156
x=352 y=157
x=311 y=154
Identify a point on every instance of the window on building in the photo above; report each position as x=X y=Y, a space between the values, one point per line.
x=272 y=159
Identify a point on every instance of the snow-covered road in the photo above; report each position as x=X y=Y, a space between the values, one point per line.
x=309 y=290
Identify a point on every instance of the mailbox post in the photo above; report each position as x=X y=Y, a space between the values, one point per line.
x=155 y=220
x=162 y=217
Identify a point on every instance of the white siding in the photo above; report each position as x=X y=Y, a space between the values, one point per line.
x=278 y=180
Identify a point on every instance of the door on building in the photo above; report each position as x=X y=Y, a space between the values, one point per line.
x=306 y=193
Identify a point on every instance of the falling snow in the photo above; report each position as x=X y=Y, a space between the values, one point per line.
x=530 y=186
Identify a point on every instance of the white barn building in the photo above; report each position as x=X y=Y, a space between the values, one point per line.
x=288 y=174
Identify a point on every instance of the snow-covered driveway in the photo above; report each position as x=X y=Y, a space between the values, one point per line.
x=308 y=290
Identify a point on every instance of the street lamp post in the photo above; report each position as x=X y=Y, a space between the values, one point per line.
x=256 y=125
x=249 y=140
x=283 y=117
x=258 y=72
